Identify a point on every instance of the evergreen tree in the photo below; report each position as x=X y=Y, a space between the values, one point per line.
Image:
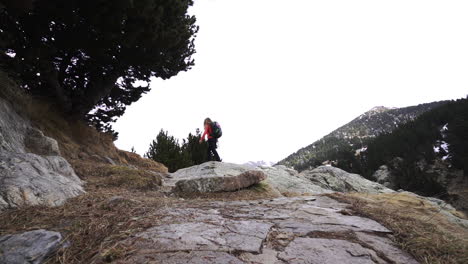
x=87 y=54
x=168 y=151
x=196 y=150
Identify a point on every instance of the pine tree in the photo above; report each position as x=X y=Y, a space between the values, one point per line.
x=166 y=150
x=86 y=55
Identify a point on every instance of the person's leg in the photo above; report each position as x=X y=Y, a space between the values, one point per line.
x=215 y=153
x=209 y=156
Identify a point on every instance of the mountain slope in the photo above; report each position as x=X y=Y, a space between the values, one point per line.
x=354 y=136
x=428 y=155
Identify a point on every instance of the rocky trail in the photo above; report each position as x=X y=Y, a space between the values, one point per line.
x=312 y=229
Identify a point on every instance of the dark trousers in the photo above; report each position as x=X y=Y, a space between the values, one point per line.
x=212 y=153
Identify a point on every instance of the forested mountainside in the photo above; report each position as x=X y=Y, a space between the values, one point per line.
x=428 y=155
x=354 y=136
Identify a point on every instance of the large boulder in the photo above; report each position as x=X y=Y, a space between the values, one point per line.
x=206 y=170
x=32 y=172
x=338 y=180
x=287 y=180
x=221 y=183
x=30 y=247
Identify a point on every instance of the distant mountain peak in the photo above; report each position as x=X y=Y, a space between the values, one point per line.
x=379 y=109
x=354 y=135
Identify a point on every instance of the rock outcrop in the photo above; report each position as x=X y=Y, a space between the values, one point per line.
x=30 y=247
x=285 y=230
x=32 y=172
x=206 y=170
x=338 y=180
x=287 y=180
x=218 y=177
x=220 y=183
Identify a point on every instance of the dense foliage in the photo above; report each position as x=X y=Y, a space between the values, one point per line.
x=441 y=133
x=167 y=150
x=87 y=55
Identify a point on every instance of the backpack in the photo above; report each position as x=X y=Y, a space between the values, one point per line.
x=216 y=130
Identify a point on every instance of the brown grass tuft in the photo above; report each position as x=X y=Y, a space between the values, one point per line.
x=418 y=227
x=91 y=223
x=121 y=176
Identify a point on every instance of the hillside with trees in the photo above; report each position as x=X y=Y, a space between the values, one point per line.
x=438 y=139
x=346 y=141
x=427 y=155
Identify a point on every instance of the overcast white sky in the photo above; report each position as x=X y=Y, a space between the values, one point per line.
x=278 y=75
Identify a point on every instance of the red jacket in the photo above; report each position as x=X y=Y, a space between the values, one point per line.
x=208 y=131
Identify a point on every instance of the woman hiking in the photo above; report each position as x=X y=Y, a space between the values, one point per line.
x=212 y=140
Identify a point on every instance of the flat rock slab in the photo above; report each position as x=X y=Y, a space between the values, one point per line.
x=225 y=236
x=319 y=251
x=222 y=183
x=278 y=231
x=30 y=247
x=206 y=170
x=194 y=257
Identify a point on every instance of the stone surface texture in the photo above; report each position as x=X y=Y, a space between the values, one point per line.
x=309 y=229
x=32 y=172
x=217 y=176
x=338 y=180
x=220 y=183
x=30 y=247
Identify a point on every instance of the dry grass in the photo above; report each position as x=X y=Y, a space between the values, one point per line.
x=77 y=141
x=418 y=226
x=90 y=223
x=121 y=176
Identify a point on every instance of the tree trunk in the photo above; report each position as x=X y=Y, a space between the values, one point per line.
x=51 y=77
x=94 y=94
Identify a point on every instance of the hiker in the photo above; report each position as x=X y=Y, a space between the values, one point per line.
x=213 y=131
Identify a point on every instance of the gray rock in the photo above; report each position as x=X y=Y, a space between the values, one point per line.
x=29 y=179
x=338 y=180
x=220 y=183
x=32 y=172
x=287 y=180
x=223 y=236
x=12 y=129
x=272 y=231
x=193 y=257
x=319 y=251
x=31 y=247
x=206 y=170
x=325 y=179
x=387 y=247
x=385 y=177
x=37 y=143
x=268 y=256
